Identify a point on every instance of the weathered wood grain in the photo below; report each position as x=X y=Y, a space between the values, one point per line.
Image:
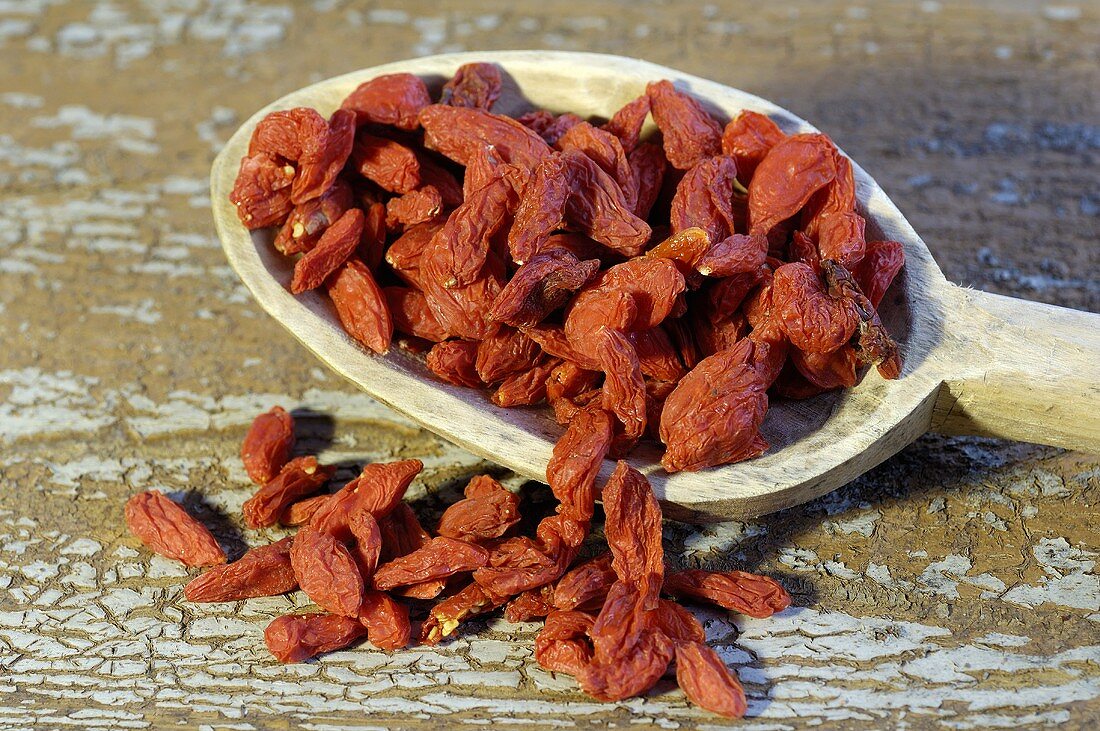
x=952 y=587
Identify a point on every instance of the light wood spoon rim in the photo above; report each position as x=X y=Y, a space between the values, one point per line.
x=974 y=362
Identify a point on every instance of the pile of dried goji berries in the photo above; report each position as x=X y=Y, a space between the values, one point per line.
x=363 y=557
x=674 y=282
x=663 y=286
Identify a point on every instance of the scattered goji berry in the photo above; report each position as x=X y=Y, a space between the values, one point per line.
x=165 y=528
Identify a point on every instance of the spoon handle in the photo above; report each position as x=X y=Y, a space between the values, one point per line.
x=1023 y=370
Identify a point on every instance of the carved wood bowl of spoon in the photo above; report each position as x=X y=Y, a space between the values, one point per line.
x=974 y=363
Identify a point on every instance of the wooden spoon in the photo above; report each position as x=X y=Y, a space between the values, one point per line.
x=975 y=363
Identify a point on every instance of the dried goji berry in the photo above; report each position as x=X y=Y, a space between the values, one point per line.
x=394 y=99
x=815 y=320
x=881 y=263
x=519 y=564
x=368 y=542
x=626 y=123
x=707 y=681
x=454 y=362
x=840 y=237
x=411 y=315
x=298 y=637
x=306 y=223
x=299 y=477
x=457 y=253
x=337 y=243
x=585 y=585
x=792 y=171
x=473 y=85
x=261 y=191
x=165 y=528
x=300 y=512
x=677 y=623
x=525 y=388
x=463 y=309
x=562 y=645
x=447 y=615
x=839 y=196
x=749 y=594
x=386 y=621
x=263 y=571
x=704 y=198
x=390 y=164
x=747 y=139
x=416 y=206
x=377 y=490
x=649 y=165
x=576 y=460
x=633 y=530
x=323 y=157
x=280 y=133
x=326 y=572
x=267 y=444
x=405 y=254
x=690 y=133
x=827 y=371
x=401 y=532
x=714 y=414
x=623 y=386
x=506 y=351
x=439 y=558
x=530 y=605
x=457 y=133
x=485 y=515
x=361 y=306
x=604 y=149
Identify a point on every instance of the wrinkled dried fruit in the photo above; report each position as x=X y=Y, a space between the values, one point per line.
x=390 y=164
x=455 y=362
x=323 y=157
x=411 y=315
x=562 y=645
x=749 y=594
x=263 y=571
x=690 y=133
x=326 y=572
x=447 y=615
x=626 y=124
x=576 y=460
x=299 y=477
x=300 y=512
x=386 y=621
x=792 y=171
x=267 y=444
x=394 y=99
x=713 y=417
x=707 y=681
x=361 y=306
x=439 y=558
x=504 y=352
x=747 y=139
x=377 y=490
x=585 y=584
x=486 y=514
x=261 y=191
x=298 y=637
x=417 y=206
x=336 y=244
x=473 y=85
x=165 y=528
x=458 y=133
x=814 y=319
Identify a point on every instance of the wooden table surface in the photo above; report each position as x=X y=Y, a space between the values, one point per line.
x=954 y=587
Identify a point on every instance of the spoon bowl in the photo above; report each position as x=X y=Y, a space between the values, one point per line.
x=973 y=362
